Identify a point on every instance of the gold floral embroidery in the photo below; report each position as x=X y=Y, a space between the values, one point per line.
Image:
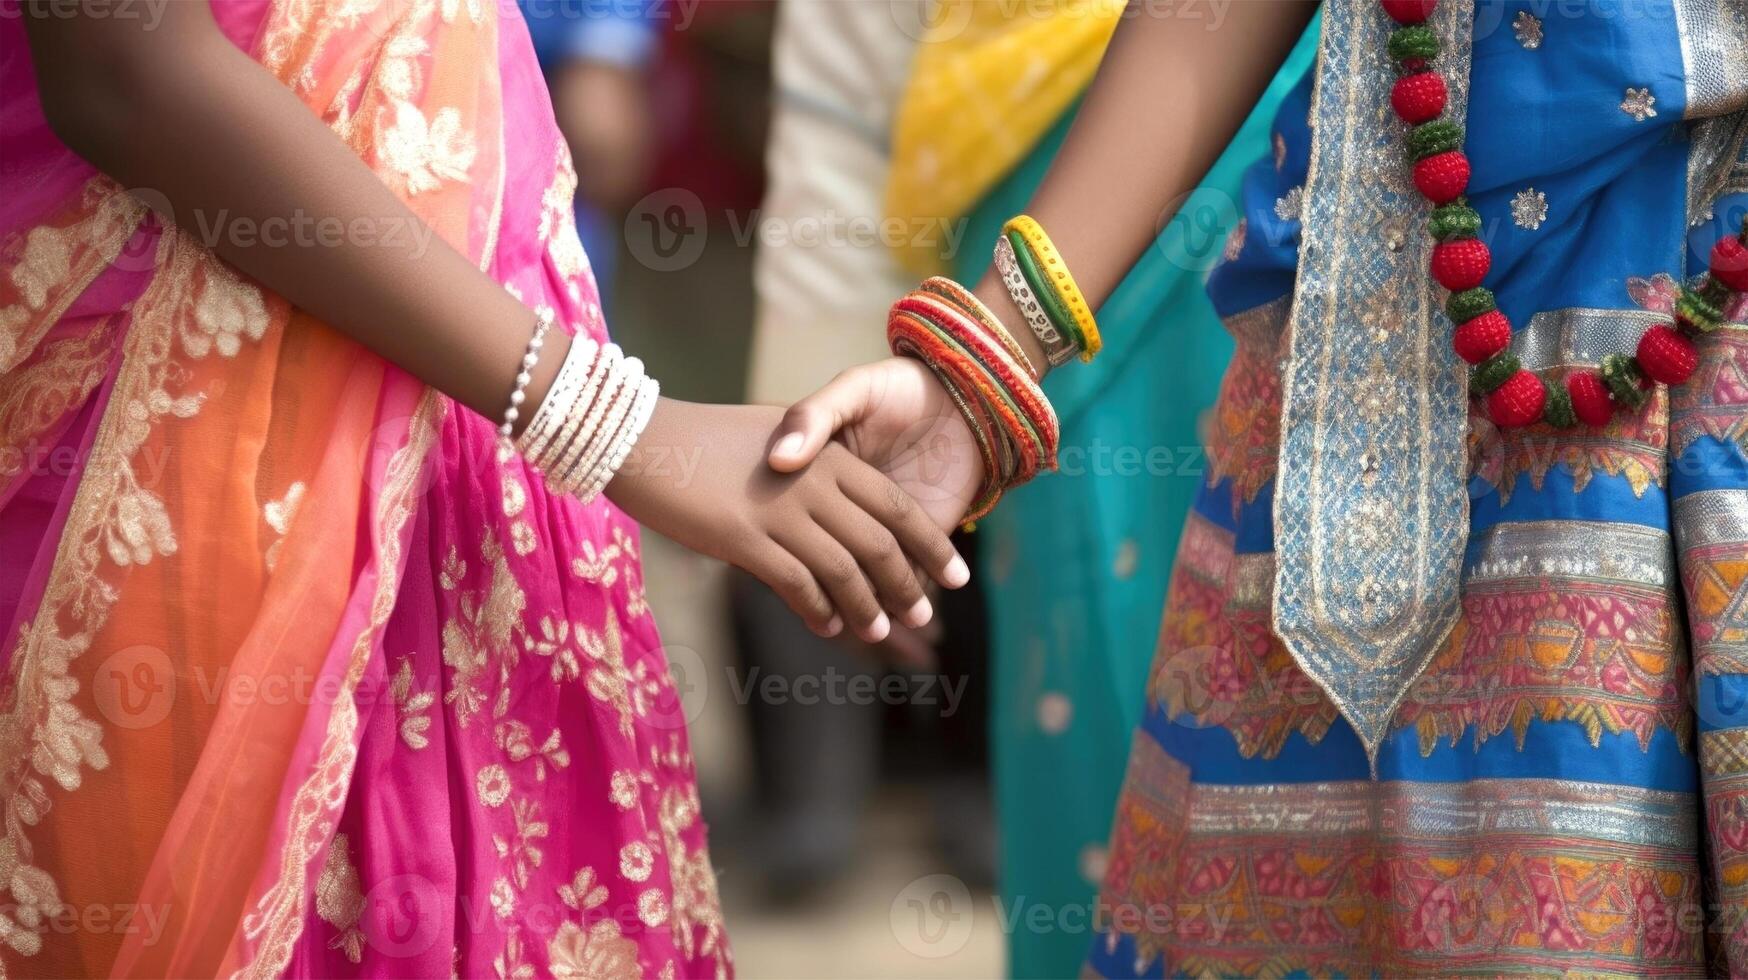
x=652 y=908
x=51 y=264
x=411 y=705
x=522 y=851
x=43 y=733
x=492 y=784
x=340 y=899
x=484 y=628
x=227 y=310
x=278 y=514
x=696 y=906
x=277 y=919
x=41 y=393
x=554 y=642
x=600 y=952
x=515 y=739
x=424 y=153
x=609 y=681
x=636 y=861
x=558 y=223
x=583 y=894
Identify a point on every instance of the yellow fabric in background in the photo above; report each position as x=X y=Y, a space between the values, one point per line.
x=989 y=78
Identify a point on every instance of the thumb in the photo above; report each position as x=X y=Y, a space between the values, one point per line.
x=811 y=422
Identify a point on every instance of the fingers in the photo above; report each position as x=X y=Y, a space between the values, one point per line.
x=915 y=530
x=883 y=561
x=836 y=569
x=810 y=422
x=795 y=585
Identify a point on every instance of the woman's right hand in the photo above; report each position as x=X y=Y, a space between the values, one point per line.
x=838 y=540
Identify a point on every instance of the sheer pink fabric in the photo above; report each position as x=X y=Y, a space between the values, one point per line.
x=301 y=676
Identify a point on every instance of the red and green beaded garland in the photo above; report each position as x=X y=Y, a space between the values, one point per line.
x=1461 y=261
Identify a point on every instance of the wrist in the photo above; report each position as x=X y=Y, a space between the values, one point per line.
x=993 y=294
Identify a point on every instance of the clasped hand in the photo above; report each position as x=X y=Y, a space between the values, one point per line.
x=842 y=504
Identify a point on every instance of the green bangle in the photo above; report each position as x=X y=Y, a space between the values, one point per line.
x=1045 y=291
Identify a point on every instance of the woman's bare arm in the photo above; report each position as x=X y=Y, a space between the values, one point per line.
x=1169 y=95
x=180 y=111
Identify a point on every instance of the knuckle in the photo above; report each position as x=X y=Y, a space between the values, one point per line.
x=841 y=573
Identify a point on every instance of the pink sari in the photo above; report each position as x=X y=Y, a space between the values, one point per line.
x=301 y=677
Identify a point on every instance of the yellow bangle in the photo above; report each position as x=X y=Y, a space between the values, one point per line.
x=1050 y=263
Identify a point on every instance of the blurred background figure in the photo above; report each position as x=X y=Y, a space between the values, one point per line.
x=597 y=57
x=762 y=179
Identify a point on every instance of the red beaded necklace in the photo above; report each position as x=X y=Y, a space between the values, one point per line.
x=1460 y=261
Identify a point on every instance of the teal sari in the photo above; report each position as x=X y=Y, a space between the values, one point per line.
x=1076 y=564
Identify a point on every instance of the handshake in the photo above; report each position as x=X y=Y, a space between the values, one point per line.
x=842 y=504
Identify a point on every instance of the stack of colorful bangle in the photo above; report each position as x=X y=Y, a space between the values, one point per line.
x=985 y=372
x=1039 y=282
x=597 y=407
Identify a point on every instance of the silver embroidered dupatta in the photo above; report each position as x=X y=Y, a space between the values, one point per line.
x=1371 y=511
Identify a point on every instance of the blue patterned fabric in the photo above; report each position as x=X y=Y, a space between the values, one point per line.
x=1565 y=787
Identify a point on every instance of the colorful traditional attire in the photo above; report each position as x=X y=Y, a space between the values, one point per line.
x=303 y=675
x=1431 y=696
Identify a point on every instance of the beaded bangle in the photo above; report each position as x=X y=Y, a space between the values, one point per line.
x=1050 y=263
x=1058 y=349
x=629 y=375
x=551 y=413
x=530 y=357
x=582 y=424
x=636 y=419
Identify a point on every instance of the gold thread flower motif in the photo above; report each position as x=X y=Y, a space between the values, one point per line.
x=426 y=152
x=492 y=784
x=227 y=310
x=600 y=953
x=1529 y=209
x=636 y=861
x=1528 y=29
x=583 y=893
x=1640 y=104
x=411 y=705
x=1290 y=205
